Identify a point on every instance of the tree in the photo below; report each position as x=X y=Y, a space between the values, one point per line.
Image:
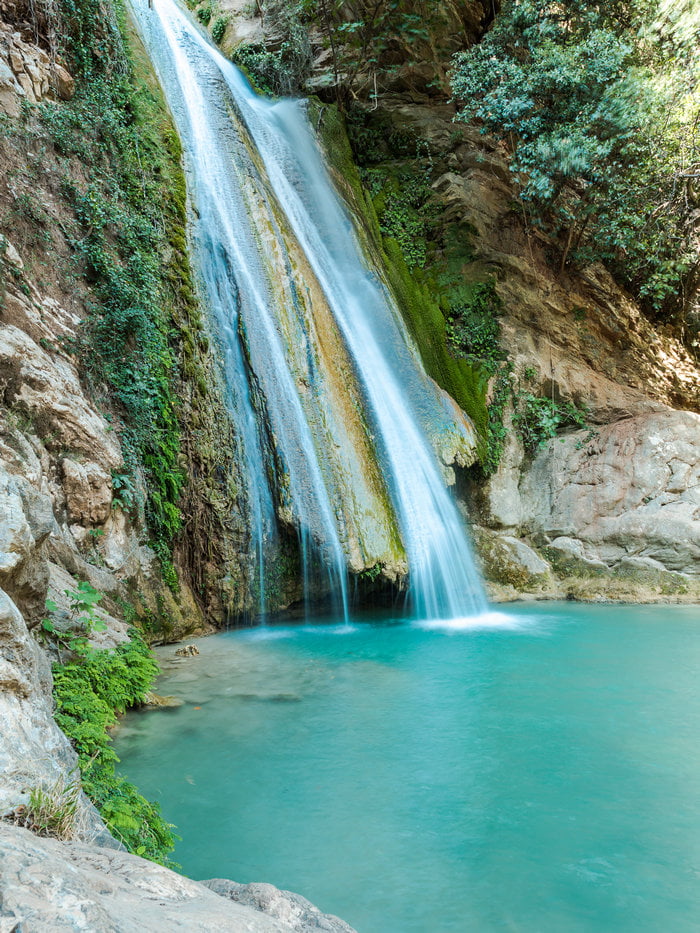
x=361 y=35
x=599 y=111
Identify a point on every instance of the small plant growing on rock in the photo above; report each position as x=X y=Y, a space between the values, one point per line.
x=124 y=493
x=204 y=14
x=52 y=810
x=84 y=620
x=218 y=29
x=538 y=420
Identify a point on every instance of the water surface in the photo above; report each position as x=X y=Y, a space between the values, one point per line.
x=537 y=775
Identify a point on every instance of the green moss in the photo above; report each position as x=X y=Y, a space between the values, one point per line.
x=465 y=382
x=473 y=328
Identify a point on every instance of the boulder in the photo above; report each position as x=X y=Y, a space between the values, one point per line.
x=508 y=560
x=298 y=914
x=630 y=493
x=569 y=557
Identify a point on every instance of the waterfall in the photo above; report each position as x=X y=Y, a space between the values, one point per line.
x=331 y=404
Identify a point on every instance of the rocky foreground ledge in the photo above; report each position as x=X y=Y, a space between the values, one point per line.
x=47 y=886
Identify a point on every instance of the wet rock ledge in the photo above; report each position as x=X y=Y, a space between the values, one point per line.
x=47 y=886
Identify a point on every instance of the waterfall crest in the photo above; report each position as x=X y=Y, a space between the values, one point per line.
x=332 y=406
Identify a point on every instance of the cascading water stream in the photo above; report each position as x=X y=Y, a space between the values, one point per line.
x=311 y=335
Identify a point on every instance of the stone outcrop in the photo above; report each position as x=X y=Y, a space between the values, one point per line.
x=630 y=496
x=69 y=886
x=298 y=914
x=616 y=515
x=28 y=73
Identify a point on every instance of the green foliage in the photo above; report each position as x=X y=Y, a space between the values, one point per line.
x=84 y=621
x=501 y=395
x=401 y=200
x=371 y=573
x=88 y=34
x=473 y=329
x=218 y=29
x=266 y=70
x=89 y=692
x=204 y=14
x=538 y=420
x=124 y=493
x=600 y=118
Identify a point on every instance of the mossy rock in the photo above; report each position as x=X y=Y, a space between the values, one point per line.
x=509 y=561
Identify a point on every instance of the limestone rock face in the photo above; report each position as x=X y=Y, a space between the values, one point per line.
x=57 y=458
x=66 y=886
x=47 y=391
x=630 y=496
x=27 y=73
x=88 y=489
x=26 y=519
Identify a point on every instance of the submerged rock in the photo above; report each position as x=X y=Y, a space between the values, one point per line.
x=507 y=560
x=155 y=701
x=187 y=651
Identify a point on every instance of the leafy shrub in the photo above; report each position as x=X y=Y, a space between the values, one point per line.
x=205 y=13
x=473 y=329
x=89 y=692
x=218 y=29
x=599 y=116
x=538 y=420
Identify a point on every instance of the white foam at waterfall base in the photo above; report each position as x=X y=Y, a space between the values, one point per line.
x=485 y=620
